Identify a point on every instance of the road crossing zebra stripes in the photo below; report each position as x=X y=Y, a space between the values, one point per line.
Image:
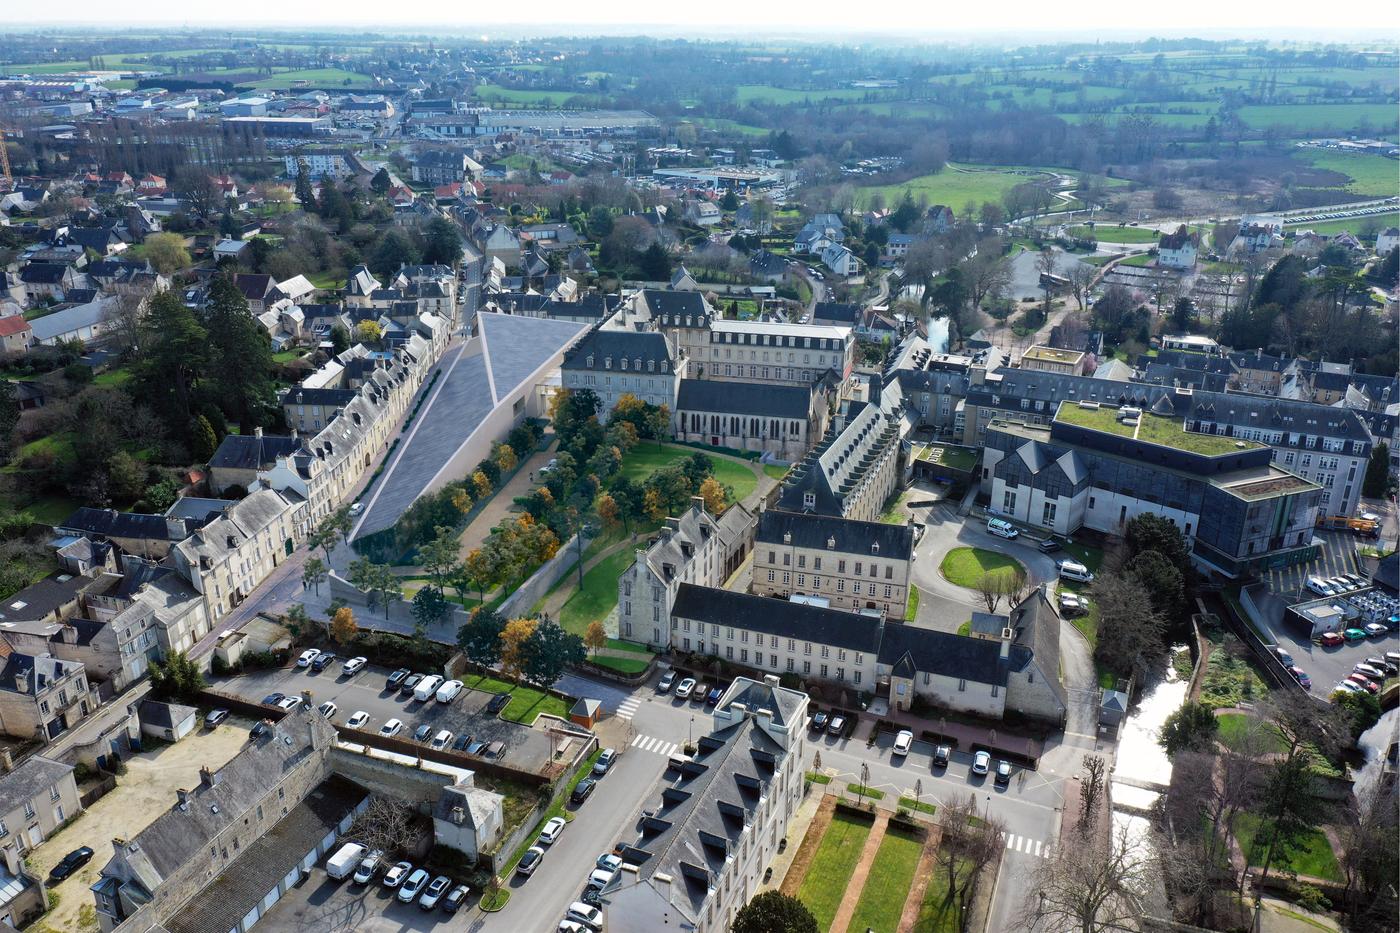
x=1026 y=846
x=628 y=707
x=661 y=747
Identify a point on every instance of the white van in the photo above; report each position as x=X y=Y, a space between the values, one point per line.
x=427 y=687
x=1074 y=570
x=1001 y=528
x=345 y=860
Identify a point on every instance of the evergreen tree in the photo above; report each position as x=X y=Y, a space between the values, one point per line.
x=202 y=440
x=380 y=182
x=240 y=365
x=340 y=339
x=393 y=251
x=1377 y=472
x=175 y=349
x=335 y=208
x=655 y=263
x=303 y=190
x=444 y=243
x=9 y=414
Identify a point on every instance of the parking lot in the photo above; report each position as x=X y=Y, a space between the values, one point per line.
x=524 y=747
x=322 y=905
x=1326 y=666
x=1338 y=556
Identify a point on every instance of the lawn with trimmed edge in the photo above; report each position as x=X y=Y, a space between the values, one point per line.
x=648 y=457
x=909 y=803
x=887 y=886
x=956 y=184
x=937 y=913
x=598 y=595
x=832 y=866
x=525 y=702
x=1112 y=233
x=911 y=611
x=1313 y=855
x=965 y=566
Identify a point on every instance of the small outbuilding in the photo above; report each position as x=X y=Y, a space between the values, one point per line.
x=168 y=721
x=1113 y=708
x=586 y=712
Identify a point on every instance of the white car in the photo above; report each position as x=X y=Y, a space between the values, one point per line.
x=359 y=718
x=449 y=691
x=441 y=740
x=902 y=743
x=586 y=914
x=352 y=666
x=530 y=861
x=357 y=508
x=572 y=926
x=413 y=885
x=981 y=762
x=1074 y=570
x=601 y=878
x=391 y=728
x=610 y=862
x=552 y=829
x=328 y=709
x=307 y=656
x=1318 y=586
x=289 y=703
x=687 y=685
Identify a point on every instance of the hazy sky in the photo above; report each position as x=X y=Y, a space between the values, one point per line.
x=1371 y=20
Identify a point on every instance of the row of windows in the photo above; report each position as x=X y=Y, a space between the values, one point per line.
x=824 y=670
x=636 y=364
x=870 y=588
x=840 y=564
x=776 y=340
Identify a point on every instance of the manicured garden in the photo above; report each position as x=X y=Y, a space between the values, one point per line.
x=525 y=702
x=648 y=457
x=1312 y=855
x=966 y=566
x=598 y=595
x=825 y=884
x=887 y=886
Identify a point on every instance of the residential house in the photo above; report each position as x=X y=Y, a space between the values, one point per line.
x=694 y=547
x=939 y=219
x=851 y=565
x=48 y=281
x=702 y=213
x=359 y=285
x=1255 y=237
x=840 y=260
x=15 y=334
x=241 y=457
x=82 y=322
x=767 y=266
x=320 y=163
x=836 y=313
x=41 y=696
x=442 y=167
x=716 y=819
x=817 y=234
x=307 y=410
x=1177 y=250
x=897 y=246
x=1387 y=240
x=683 y=281
x=37 y=796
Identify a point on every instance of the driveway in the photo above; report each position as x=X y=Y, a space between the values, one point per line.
x=145 y=792
x=944 y=531
x=322 y=905
x=524 y=747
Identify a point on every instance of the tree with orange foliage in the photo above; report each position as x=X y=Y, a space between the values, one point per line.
x=343 y=626
x=596 y=637
x=514 y=655
x=714 y=495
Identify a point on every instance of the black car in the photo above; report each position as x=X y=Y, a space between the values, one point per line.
x=260 y=730
x=819 y=722
x=409 y=684
x=497 y=703
x=455 y=898
x=323 y=660
x=581 y=792
x=272 y=698
x=941 y=754
x=1050 y=544
x=396 y=678
x=71 y=863
x=423 y=732
x=462 y=742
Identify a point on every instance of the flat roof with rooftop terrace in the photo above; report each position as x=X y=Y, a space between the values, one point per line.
x=1150 y=428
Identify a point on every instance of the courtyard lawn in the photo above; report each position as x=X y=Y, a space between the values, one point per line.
x=965 y=566
x=525 y=702
x=1112 y=233
x=598 y=596
x=648 y=457
x=836 y=858
x=887 y=885
x=1232 y=729
x=937 y=913
x=1313 y=855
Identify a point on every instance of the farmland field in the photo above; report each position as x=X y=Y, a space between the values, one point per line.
x=955 y=185
x=754 y=93
x=1371 y=175
x=314 y=77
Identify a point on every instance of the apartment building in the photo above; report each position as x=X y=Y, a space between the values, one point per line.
x=856 y=466
x=617 y=362
x=783 y=354
x=851 y=565
x=37 y=796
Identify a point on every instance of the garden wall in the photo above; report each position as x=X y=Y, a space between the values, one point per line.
x=541 y=581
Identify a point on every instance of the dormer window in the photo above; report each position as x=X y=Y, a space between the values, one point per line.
x=830 y=542
x=787 y=537
x=875 y=548
x=589 y=361
x=637 y=364
x=607 y=363
x=651 y=366
x=624 y=363
x=809 y=500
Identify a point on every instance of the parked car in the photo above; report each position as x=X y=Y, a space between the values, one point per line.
x=449 y=691
x=1284 y=657
x=941 y=756
x=1074 y=570
x=345 y=860
x=413 y=885
x=356 y=508
x=818 y=721
x=353 y=667
x=462 y=742
x=396 y=874
x=434 y=892
x=307 y=656
x=323 y=660
x=605 y=761
x=328 y=709
x=422 y=733
x=609 y=861
x=1003 y=775
x=586 y=914
x=1354 y=634
x=552 y=829
x=1331 y=639
x=476 y=748
x=582 y=790
x=530 y=861
x=272 y=699
x=1375 y=629
x=667 y=679
x=391 y=728
x=455 y=899
x=1346 y=686
x=214 y=717
x=902 y=743
x=1070 y=604
x=712 y=698
x=289 y=703
x=1393 y=657
x=441 y=740
x=1319 y=587
x=368 y=866
x=497 y=703
x=837 y=725
x=981 y=762
x=70 y=863
x=1050 y=545
x=699 y=693
x=427 y=688
x=1002 y=528
x=600 y=878
x=572 y=926
x=1367 y=670
x=357 y=719
x=409 y=684
x=1301 y=676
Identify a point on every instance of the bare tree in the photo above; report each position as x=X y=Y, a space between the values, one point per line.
x=971 y=842
x=1090 y=889
x=992 y=586
x=988 y=273
x=386 y=825
x=121 y=321
x=1371 y=857
x=1081 y=276
x=1091 y=789
x=1046 y=264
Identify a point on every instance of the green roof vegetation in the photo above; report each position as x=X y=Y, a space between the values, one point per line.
x=1151 y=429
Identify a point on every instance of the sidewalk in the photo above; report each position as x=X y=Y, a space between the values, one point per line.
x=796 y=832
x=503 y=502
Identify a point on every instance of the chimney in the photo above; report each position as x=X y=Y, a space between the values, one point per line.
x=7 y=760
x=183 y=798
x=697 y=503
x=770 y=679
x=207 y=778
x=739 y=711
x=1007 y=634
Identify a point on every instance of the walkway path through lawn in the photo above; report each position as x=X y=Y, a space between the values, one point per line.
x=923 y=876
x=808 y=850
x=857 y=882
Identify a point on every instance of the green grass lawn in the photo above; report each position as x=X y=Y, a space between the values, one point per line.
x=1112 y=233
x=47 y=510
x=1232 y=730
x=622 y=665
x=525 y=703
x=598 y=595
x=938 y=914
x=648 y=457
x=1313 y=856
x=326 y=280
x=312 y=77
x=911 y=610
x=955 y=458
x=887 y=886
x=825 y=884
x=965 y=566
x=909 y=803
x=766 y=93
x=776 y=471
x=869 y=793
x=955 y=186
x=722 y=125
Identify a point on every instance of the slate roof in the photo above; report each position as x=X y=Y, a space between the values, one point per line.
x=946 y=654
x=43 y=273
x=252 y=451
x=334 y=398
x=245 y=881
x=779 y=617
x=163 y=715
x=836 y=312
x=763 y=400
x=30 y=778
x=806 y=530
x=108 y=523
x=1037 y=628
x=785 y=704
x=616 y=345
x=29 y=674
x=659 y=302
